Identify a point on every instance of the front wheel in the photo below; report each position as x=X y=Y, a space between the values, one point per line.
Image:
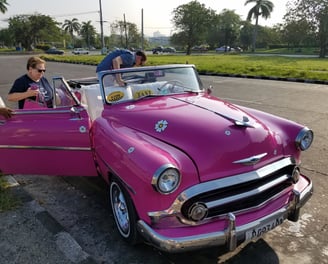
x=124 y=212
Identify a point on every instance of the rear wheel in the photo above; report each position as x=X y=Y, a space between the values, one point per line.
x=124 y=212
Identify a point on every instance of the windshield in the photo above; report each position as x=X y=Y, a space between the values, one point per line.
x=139 y=82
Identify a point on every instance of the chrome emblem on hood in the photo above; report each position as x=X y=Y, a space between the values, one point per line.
x=251 y=160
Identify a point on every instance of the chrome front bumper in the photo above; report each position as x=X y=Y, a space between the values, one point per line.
x=231 y=237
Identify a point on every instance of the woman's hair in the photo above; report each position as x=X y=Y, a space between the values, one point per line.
x=142 y=54
x=33 y=61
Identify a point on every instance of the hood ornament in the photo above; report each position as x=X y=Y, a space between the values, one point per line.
x=244 y=123
x=251 y=160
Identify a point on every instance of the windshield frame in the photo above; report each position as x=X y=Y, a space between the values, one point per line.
x=148 y=81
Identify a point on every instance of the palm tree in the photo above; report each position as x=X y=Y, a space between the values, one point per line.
x=262 y=8
x=71 y=26
x=88 y=32
x=3 y=6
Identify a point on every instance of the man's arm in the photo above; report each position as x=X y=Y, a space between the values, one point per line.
x=117 y=62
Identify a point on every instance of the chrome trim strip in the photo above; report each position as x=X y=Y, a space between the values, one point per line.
x=250 y=193
x=219 y=238
x=73 y=109
x=263 y=204
x=45 y=148
x=44 y=111
x=251 y=160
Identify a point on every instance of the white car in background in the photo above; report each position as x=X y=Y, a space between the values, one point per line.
x=78 y=51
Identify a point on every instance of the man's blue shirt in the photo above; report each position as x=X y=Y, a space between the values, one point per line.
x=128 y=60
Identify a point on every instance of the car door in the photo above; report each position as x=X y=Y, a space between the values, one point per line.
x=47 y=141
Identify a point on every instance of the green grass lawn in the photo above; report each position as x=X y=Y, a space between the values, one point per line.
x=248 y=65
x=7 y=200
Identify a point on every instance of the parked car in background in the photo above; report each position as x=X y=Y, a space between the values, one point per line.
x=169 y=50
x=54 y=50
x=158 y=50
x=185 y=169
x=78 y=51
x=224 y=49
x=200 y=48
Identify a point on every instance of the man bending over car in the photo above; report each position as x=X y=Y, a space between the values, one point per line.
x=121 y=58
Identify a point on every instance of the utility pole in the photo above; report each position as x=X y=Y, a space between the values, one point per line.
x=103 y=49
x=125 y=31
x=142 y=30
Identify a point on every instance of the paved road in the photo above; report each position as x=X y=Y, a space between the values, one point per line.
x=79 y=204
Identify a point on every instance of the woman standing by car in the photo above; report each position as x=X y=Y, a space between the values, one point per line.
x=32 y=84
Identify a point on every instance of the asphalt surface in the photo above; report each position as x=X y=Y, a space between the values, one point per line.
x=29 y=234
x=66 y=220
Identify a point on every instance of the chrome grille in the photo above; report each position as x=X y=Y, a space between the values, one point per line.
x=241 y=196
x=234 y=194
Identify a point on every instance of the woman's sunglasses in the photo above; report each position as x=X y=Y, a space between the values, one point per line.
x=41 y=70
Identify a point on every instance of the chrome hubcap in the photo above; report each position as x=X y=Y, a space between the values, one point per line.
x=120 y=210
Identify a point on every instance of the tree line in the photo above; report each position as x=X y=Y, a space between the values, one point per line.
x=305 y=24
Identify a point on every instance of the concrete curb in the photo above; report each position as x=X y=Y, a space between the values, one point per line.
x=272 y=78
x=64 y=241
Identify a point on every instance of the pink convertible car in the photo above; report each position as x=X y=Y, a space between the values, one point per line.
x=185 y=170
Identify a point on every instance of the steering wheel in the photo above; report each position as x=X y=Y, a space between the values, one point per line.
x=171 y=87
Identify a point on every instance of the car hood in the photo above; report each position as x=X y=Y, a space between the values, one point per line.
x=219 y=137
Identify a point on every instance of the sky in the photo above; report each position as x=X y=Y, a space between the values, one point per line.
x=157 y=15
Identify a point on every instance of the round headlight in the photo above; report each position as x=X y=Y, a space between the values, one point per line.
x=166 y=180
x=304 y=139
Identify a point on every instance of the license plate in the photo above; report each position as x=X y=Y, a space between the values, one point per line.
x=262 y=229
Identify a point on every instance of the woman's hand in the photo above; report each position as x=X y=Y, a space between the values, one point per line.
x=32 y=92
x=6 y=112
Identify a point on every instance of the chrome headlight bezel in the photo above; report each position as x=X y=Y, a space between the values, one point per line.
x=304 y=139
x=166 y=179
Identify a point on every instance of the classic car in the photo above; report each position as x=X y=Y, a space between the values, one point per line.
x=78 y=51
x=158 y=50
x=224 y=49
x=185 y=169
x=54 y=50
x=169 y=50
